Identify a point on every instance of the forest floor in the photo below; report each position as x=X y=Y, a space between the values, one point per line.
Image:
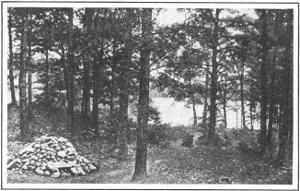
x=172 y=164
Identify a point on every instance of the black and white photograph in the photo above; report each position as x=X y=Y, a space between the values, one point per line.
x=149 y=95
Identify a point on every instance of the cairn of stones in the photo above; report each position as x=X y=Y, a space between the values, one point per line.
x=51 y=156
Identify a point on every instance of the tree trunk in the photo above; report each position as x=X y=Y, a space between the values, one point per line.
x=123 y=111
x=47 y=89
x=242 y=97
x=22 y=83
x=251 y=117
x=194 y=110
x=66 y=78
x=263 y=90
x=225 y=103
x=143 y=102
x=112 y=85
x=124 y=92
x=85 y=108
x=272 y=98
x=29 y=72
x=251 y=105
x=71 y=74
x=214 y=78
x=96 y=74
x=11 y=58
x=287 y=100
x=204 y=113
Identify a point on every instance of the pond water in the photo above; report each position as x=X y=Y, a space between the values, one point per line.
x=177 y=113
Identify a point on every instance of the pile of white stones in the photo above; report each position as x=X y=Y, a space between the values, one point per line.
x=51 y=156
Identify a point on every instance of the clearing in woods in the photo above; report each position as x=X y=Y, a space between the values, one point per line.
x=170 y=163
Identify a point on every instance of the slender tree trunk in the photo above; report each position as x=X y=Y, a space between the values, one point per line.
x=71 y=74
x=237 y=116
x=66 y=77
x=194 y=110
x=204 y=113
x=85 y=108
x=96 y=85
x=140 y=170
x=251 y=105
x=123 y=111
x=263 y=91
x=224 y=107
x=11 y=58
x=251 y=117
x=112 y=85
x=29 y=72
x=272 y=98
x=242 y=97
x=22 y=83
x=225 y=101
x=47 y=89
x=214 y=78
x=287 y=118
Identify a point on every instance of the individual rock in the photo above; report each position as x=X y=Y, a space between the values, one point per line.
x=70 y=145
x=61 y=139
x=80 y=170
x=71 y=157
x=86 y=161
x=34 y=157
x=47 y=173
x=65 y=174
x=13 y=164
x=92 y=167
x=61 y=154
x=74 y=171
x=24 y=167
x=86 y=169
x=39 y=171
x=60 y=164
x=43 y=167
x=56 y=174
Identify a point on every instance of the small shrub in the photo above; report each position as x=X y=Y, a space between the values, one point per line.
x=188 y=140
x=157 y=134
x=176 y=133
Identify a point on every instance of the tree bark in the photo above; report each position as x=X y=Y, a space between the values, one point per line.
x=112 y=85
x=242 y=97
x=96 y=85
x=66 y=78
x=140 y=170
x=287 y=99
x=272 y=98
x=204 y=113
x=85 y=107
x=263 y=91
x=47 y=89
x=194 y=110
x=29 y=73
x=11 y=58
x=251 y=105
x=214 y=78
x=225 y=102
x=123 y=110
x=22 y=83
x=71 y=74
x=124 y=91
x=251 y=117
